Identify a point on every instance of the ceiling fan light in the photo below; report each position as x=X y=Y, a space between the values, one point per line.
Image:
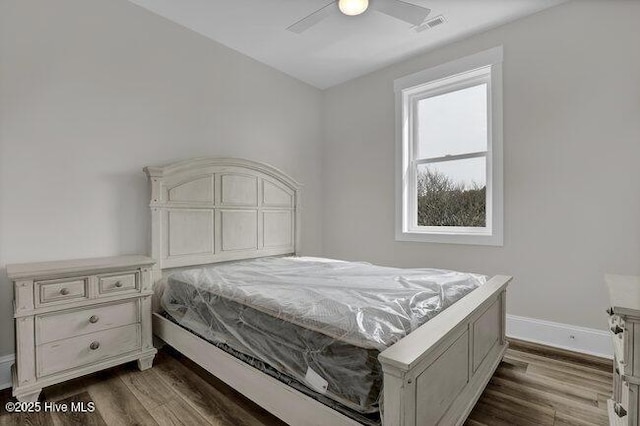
x=353 y=7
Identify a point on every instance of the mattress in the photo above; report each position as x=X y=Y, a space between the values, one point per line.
x=321 y=322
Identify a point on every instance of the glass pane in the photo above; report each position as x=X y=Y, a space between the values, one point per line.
x=453 y=123
x=453 y=193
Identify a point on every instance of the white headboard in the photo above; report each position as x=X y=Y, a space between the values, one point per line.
x=208 y=210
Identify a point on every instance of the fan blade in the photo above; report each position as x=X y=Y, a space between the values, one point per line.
x=317 y=16
x=407 y=12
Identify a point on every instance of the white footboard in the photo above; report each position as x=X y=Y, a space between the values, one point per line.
x=435 y=375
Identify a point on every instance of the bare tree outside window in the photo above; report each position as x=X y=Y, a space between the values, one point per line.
x=444 y=202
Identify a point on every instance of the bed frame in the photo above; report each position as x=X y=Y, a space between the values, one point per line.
x=210 y=210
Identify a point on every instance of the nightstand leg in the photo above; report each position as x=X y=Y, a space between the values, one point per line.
x=145 y=363
x=29 y=397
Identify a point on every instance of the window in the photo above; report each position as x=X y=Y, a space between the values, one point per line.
x=449 y=177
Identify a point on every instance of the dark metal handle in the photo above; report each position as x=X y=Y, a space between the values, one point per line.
x=118 y=284
x=64 y=291
x=94 y=319
x=610 y=311
x=617 y=408
x=617 y=371
x=94 y=345
x=617 y=329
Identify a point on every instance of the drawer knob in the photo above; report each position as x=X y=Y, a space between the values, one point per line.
x=118 y=284
x=619 y=410
x=64 y=291
x=94 y=319
x=617 y=329
x=94 y=345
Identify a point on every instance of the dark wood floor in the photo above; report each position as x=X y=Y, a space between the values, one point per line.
x=536 y=385
x=532 y=386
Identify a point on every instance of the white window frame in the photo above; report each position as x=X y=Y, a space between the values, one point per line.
x=481 y=68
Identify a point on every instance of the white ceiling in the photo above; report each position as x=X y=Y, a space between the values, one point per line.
x=339 y=48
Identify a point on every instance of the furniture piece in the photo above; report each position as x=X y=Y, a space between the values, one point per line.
x=624 y=324
x=210 y=210
x=320 y=323
x=79 y=316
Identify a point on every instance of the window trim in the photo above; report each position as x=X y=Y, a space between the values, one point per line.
x=470 y=70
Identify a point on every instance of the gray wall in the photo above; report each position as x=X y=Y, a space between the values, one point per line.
x=91 y=91
x=571 y=146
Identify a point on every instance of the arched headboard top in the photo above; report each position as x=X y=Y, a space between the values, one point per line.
x=208 y=210
x=204 y=163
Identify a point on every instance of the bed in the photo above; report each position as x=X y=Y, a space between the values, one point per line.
x=362 y=344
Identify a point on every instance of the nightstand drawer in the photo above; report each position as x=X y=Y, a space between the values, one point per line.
x=83 y=350
x=72 y=323
x=118 y=283
x=61 y=291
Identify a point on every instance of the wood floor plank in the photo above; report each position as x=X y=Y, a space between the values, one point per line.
x=526 y=411
x=78 y=418
x=563 y=419
x=178 y=413
x=579 y=394
x=490 y=414
x=252 y=408
x=549 y=352
x=147 y=386
x=587 y=411
x=564 y=384
x=602 y=400
x=204 y=398
x=117 y=405
x=471 y=422
x=577 y=369
x=26 y=419
x=513 y=364
x=71 y=387
x=571 y=378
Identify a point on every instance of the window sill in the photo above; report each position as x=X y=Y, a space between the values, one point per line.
x=451 y=238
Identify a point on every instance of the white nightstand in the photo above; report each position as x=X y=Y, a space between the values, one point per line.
x=79 y=316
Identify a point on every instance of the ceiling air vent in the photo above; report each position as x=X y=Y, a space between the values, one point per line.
x=431 y=23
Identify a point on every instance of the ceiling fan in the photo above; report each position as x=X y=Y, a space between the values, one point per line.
x=407 y=12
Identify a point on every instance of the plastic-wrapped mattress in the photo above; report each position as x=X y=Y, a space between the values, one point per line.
x=322 y=322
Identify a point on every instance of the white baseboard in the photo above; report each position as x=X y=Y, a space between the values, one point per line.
x=5 y=370
x=563 y=336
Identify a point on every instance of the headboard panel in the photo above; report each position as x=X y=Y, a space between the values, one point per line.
x=209 y=210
